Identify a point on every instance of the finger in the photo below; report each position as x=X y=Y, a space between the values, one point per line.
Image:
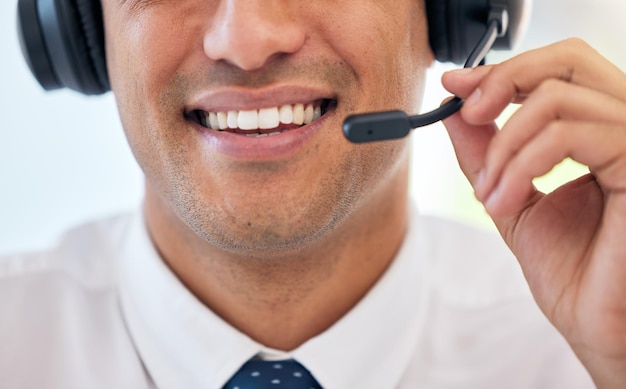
x=470 y=144
x=602 y=147
x=462 y=82
x=553 y=100
x=572 y=61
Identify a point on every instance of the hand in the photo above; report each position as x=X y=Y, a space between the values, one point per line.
x=571 y=243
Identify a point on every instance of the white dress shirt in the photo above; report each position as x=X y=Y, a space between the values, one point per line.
x=102 y=310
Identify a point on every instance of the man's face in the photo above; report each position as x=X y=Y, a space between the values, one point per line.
x=183 y=70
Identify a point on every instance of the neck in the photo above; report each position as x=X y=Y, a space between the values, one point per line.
x=283 y=299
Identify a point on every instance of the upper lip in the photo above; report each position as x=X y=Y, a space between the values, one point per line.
x=242 y=98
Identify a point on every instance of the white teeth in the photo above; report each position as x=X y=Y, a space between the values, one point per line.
x=308 y=114
x=233 y=119
x=222 y=119
x=248 y=120
x=264 y=119
x=286 y=114
x=268 y=118
x=213 y=122
x=298 y=114
x=257 y=135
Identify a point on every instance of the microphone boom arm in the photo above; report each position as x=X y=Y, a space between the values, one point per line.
x=376 y=126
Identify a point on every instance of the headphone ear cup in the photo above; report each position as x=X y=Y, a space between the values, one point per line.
x=30 y=34
x=436 y=12
x=92 y=25
x=456 y=26
x=519 y=18
x=63 y=43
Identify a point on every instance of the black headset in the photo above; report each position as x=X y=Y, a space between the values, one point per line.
x=63 y=40
x=63 y=44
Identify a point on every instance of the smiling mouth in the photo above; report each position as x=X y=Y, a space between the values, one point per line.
x=265 y=121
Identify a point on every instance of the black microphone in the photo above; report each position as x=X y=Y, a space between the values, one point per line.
x=376 y=126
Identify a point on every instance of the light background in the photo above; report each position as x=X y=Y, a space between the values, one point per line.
x=64 y=159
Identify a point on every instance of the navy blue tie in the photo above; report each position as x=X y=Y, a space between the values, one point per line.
x=259 y=374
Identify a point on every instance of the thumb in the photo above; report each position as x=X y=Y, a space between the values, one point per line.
x=470 y=144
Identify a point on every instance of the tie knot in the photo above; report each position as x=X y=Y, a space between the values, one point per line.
x=259 y=374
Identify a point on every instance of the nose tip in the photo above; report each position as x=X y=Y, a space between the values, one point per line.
x=248 y=33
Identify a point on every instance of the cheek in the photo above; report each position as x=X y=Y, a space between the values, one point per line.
x=407 y=57
x=147 y=47
x=142 y=61
x=388 y=52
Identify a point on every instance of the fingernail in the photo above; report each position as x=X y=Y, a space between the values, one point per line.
x=461 y=71
x=474 y=97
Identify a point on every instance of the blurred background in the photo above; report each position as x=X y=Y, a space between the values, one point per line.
x=64 y=159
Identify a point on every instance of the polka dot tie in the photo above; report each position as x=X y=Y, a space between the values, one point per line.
x=258 y=374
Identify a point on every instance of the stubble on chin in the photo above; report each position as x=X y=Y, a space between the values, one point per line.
x=179 y=171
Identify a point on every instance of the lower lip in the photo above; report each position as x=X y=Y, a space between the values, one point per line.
x=264 y=148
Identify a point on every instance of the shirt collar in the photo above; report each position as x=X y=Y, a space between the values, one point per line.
x=371 y=346
x=184 y=344
x=181 y=342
